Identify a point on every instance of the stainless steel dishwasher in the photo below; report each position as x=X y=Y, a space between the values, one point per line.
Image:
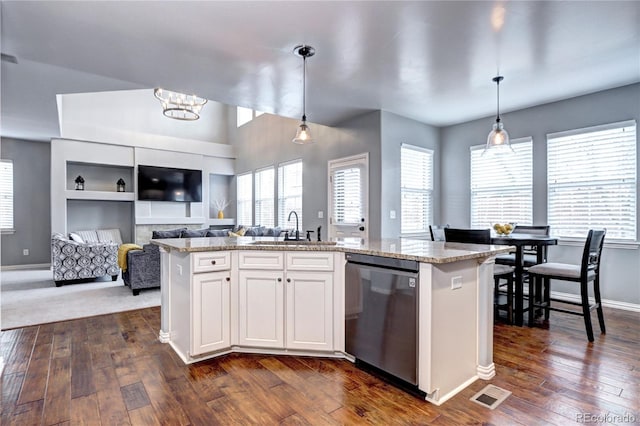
x=381 y=321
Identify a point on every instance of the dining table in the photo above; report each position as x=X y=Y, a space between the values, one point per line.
x=520 y=241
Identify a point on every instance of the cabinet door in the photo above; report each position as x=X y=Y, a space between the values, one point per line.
x=261 y=308
x=309 y=310
x=210 y=301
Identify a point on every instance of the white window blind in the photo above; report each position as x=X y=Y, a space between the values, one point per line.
x=502 y=185
x=265 y=206
x=416 y=188
x=6 y=194
x=591 y=178
x=289 y=192
x=347 y=197
x=244 y=194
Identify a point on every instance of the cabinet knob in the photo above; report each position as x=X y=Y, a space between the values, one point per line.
x=288 y=280
x=228 y=278
x=213 y=262
x=279 y=279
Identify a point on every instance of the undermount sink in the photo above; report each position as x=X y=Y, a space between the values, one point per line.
x=294 y=243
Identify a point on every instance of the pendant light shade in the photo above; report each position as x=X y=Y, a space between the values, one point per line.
x=498 y=139
x=303 y=135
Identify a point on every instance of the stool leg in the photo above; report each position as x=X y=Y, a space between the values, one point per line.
x=585 y=310
x=596 y=293
x=533 y=281
x=547 y=298
x=510 y=300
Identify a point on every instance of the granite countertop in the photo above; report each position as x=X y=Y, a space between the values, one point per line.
x=400 y=248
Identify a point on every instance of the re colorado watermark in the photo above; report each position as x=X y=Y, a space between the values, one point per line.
x=607 y=418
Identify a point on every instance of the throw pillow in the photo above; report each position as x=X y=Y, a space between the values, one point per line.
x=239 y=233
x=272 y=232
x=219 y=232
x=194 y=233
x=171 y=233
x=109 y=236
x=254 y=231
x=75 y=237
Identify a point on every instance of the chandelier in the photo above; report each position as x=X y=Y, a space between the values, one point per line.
x=179 y=105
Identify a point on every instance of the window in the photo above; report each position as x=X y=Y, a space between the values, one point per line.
x=416 y=188
x=245 y=115
x=591 y=178
x=289 y=192
x=265 y=209
x=6 y=195
x=347 y=201
x=245 y=199
x=502 y=185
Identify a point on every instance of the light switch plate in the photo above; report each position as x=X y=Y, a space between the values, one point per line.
x=456 y=283
x=392 y=214
x=320 y=214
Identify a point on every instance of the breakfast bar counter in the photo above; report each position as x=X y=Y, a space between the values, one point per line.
x=266 y=295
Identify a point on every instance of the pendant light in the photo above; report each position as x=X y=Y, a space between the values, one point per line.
x=498 y=139
x=303 y=135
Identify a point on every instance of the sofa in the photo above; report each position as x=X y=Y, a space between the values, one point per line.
x=75 y=260
x=143 y=266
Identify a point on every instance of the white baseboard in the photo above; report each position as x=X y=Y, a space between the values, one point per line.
x=21 y=267
x=614 y=304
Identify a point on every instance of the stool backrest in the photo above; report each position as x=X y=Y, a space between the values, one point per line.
x=593 y=251
x=472 y=236
x=437 y=232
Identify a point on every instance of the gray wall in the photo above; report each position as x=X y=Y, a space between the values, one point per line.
x=267 y=141
x=621 y=266
x=397 y=130
x=32 y=208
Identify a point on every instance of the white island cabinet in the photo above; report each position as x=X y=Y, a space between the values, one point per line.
x=200 y=303
x=222 y=295
x=286 y=300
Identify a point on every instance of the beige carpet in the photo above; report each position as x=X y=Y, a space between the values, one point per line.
x=30 y=297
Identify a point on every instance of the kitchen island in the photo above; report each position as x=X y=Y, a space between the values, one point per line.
x=264 y=295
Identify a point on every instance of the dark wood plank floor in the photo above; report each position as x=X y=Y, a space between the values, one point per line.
x=111 y=369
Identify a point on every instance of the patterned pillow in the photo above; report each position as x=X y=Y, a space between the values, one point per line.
x=172 y=233
x=272 y=232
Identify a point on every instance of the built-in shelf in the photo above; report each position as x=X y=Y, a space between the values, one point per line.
x=100 y=195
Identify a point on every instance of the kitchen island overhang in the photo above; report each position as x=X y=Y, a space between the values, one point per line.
x=258 y=295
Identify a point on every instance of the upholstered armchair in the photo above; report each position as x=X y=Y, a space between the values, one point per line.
x=143 y=268
x=73 y=260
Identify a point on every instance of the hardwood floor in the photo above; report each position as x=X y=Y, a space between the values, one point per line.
x=111 y=369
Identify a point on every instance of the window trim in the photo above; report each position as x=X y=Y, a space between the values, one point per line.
x=610 y=242
x=430 y=192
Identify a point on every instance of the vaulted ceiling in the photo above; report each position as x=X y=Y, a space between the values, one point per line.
x=430 y=61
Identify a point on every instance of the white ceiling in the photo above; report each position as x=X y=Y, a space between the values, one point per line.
x=430 y=61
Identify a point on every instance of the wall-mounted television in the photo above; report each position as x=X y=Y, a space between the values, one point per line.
x=169 y=184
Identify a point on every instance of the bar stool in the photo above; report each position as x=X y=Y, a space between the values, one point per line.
x=588 y=271
x=500 y=272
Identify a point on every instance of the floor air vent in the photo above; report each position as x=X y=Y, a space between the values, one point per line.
x=491 y=396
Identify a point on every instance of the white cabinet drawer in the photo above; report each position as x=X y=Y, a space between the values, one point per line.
x=309 y=261
x=261 y=260
x=210 y=261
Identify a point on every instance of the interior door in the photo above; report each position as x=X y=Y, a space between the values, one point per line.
x=349 y=197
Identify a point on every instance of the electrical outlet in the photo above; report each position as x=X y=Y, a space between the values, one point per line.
x=392 y=214
x=320 y=214
x=25 y=252
x=179 y=269
x=456 y=283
